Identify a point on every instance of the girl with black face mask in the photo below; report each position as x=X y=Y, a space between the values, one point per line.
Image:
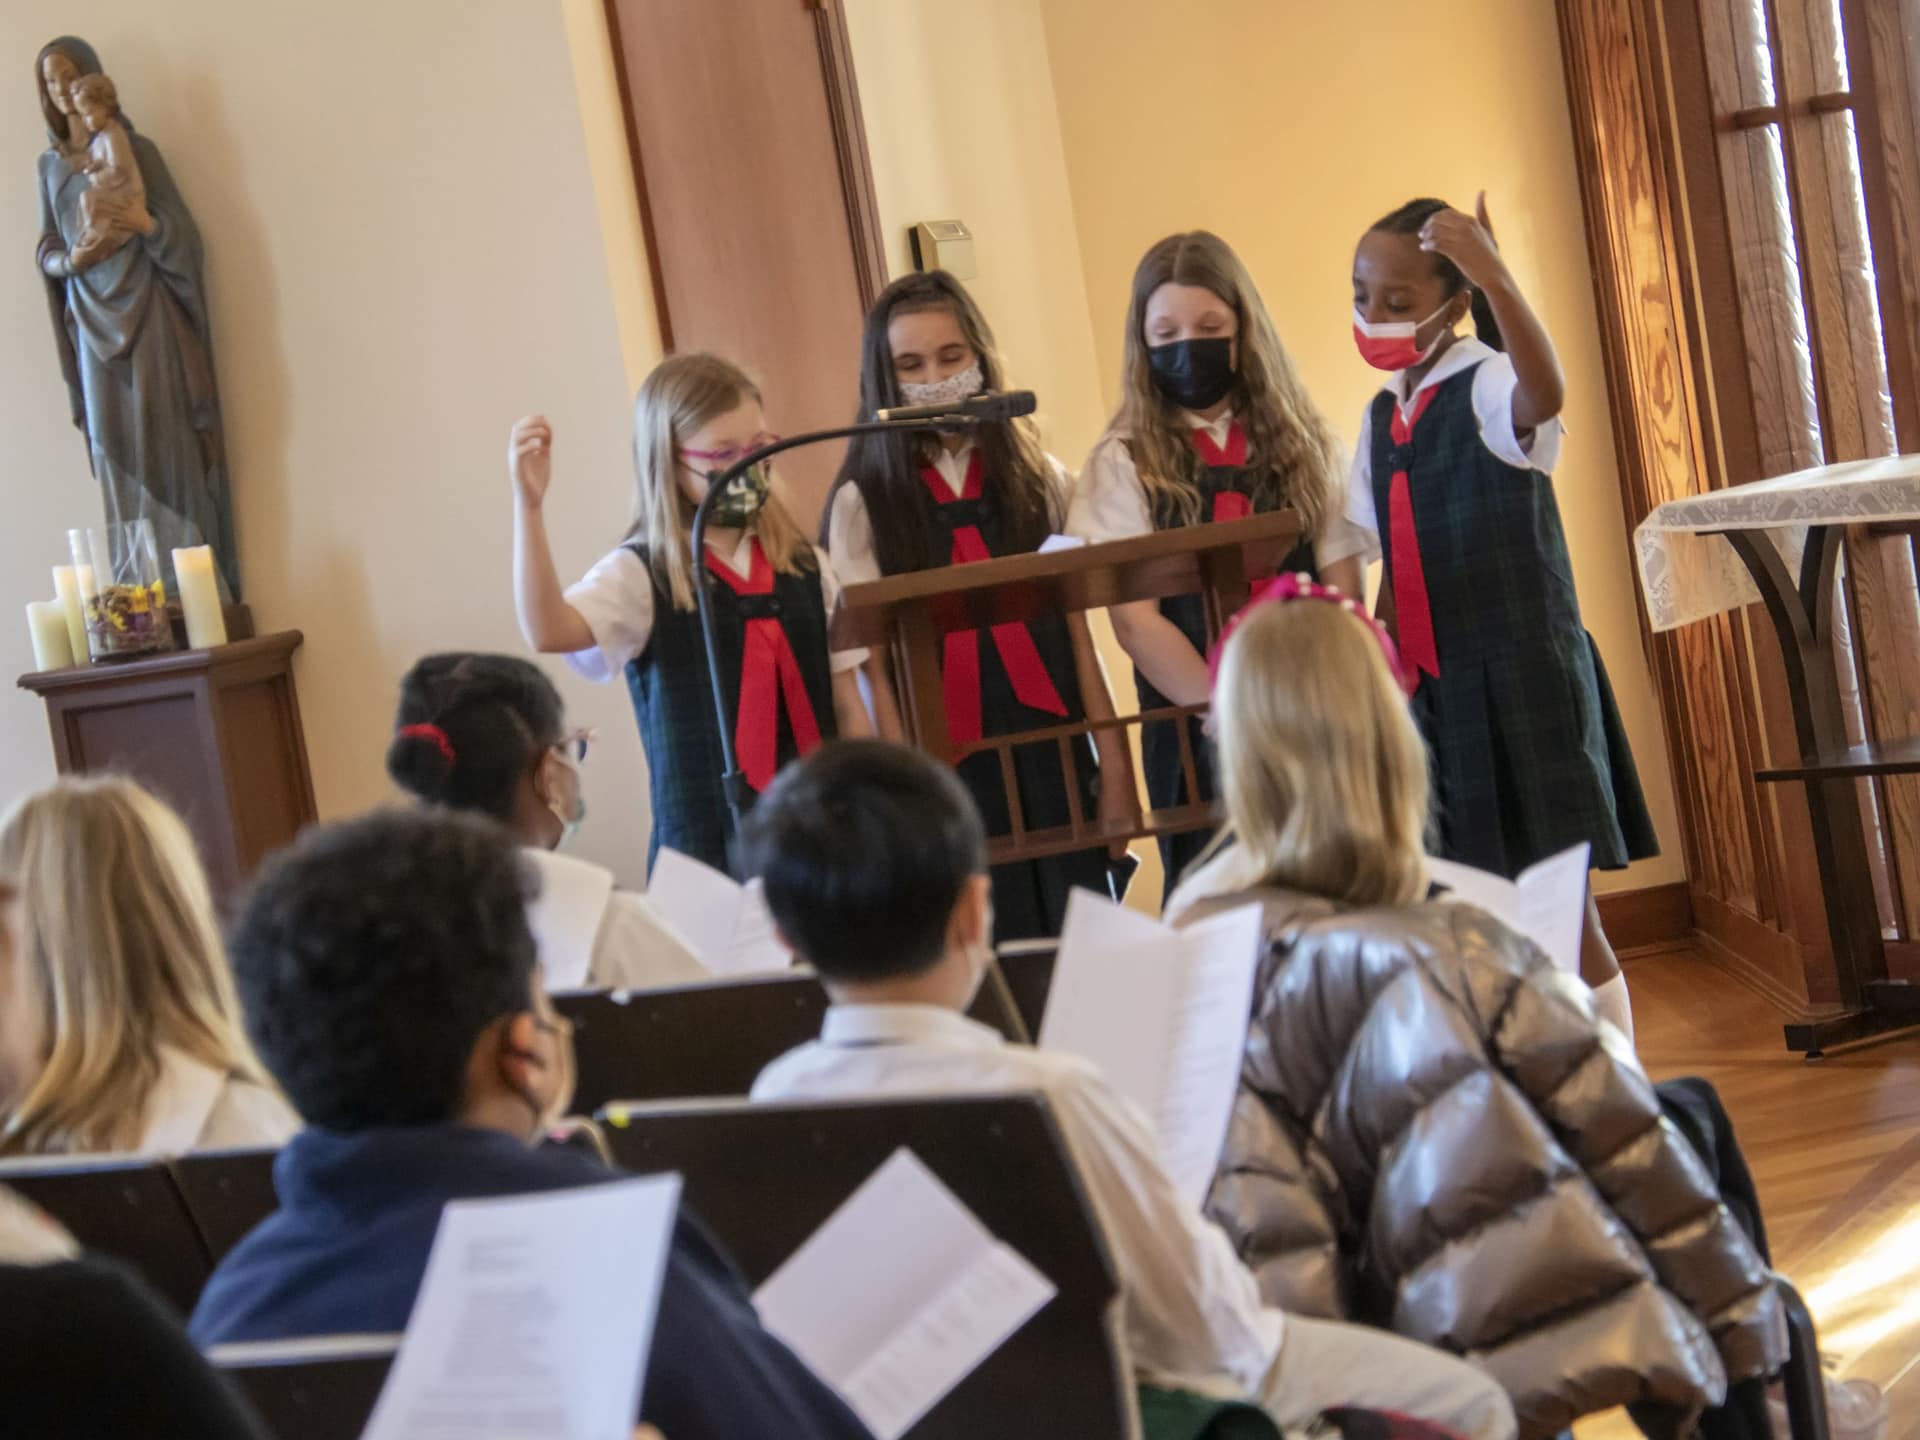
x=1213 y=425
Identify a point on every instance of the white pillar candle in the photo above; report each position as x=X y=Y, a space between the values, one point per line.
x=47 y=619
x=199 y=597
x=67 y=588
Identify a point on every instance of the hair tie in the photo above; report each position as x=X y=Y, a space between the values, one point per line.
x=1302 y=586
x=441 y=740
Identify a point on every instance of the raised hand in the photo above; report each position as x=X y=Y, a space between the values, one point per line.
x=530 y=459
x=1467 y=242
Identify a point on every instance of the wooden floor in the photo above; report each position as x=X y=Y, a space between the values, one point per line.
x=1835 y=1150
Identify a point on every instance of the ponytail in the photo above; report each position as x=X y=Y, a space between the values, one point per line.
x=1408 y=220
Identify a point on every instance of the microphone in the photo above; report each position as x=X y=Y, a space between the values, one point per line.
x=982 y=409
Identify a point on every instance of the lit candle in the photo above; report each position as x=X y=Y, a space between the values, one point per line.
x=69 y=590
x=47 y=619
x=200 y=597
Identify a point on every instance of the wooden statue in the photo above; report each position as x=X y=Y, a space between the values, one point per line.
x=121 y=257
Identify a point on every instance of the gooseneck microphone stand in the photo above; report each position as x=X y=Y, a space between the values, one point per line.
x=984 y=409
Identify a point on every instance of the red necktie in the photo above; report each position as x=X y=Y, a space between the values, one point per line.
x=1412 y=611
x=769 y=676
x=960 y=678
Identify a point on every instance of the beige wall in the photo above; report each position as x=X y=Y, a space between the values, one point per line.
x=403 y=255
x=1287 y=126
x=962 y=125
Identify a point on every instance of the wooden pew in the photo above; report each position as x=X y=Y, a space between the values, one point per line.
x=714 y=1039
x=123 y=1207
x=765 y=1177
x=321 y=1389
x=227 y=1192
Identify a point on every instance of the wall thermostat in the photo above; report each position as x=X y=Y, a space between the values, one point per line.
x=944 y=245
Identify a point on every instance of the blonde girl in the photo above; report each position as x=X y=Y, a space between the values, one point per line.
x=1213 y=425
x=634 y=612
x=124 y=1033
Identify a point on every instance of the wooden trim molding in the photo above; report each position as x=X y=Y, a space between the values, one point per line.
x=654 y=271
x=850 y=139
x=1657 y=915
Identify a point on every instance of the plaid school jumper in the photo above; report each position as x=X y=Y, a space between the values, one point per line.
x=673 y=702
x=1029 y=897
x=1230 y=489
x=1529 y=752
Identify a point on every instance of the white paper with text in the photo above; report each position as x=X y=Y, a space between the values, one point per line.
x=535 y=1317
x=1547 y=904
x=899 y=1296
x=1162 y=1013
x=726 y=923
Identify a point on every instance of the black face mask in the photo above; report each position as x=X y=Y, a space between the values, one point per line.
x=1193 y=373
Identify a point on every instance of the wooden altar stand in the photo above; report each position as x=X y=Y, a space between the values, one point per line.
x=909 y=616
x=215 y=733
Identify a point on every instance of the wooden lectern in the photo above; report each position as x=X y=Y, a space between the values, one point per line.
x=215 y=733
x=909 y=617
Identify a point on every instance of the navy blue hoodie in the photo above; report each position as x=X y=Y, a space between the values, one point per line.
x=345 y=1252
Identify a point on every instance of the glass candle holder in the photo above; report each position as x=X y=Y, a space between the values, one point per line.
x=126 y=602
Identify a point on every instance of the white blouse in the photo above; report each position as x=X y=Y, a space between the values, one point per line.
x=1110 y=503
x=196 y=1107
x=1493 y=386
x=850 y=531
x=615 y=598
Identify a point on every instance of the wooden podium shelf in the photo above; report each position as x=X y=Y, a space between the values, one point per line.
x=908 y=616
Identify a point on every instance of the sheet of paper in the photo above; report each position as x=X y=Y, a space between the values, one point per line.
x=1547 y=904
x=565 y=916
x=1162 y=1013
x=535 y=1317
x=725 y=922
x=1209 y=1041
x=1060 y=542
x=899 y=1296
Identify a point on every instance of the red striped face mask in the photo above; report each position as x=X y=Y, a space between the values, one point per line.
x=1394 y=344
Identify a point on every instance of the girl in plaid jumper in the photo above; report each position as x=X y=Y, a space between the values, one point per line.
x=633 y=613
x=1452 y=472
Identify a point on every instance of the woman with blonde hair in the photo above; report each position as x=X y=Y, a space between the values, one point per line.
x=1434 y=1132
x=633 y=613
x=1214 y=424
x=124 y=1031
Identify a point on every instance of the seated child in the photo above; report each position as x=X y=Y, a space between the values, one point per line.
x=113 y=207
x=388 y=975
x=1434 y=1131
x=875 y=867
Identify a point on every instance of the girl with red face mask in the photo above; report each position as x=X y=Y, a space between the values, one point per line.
x=1452 y=472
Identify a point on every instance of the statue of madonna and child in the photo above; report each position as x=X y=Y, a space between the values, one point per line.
x=121 y=258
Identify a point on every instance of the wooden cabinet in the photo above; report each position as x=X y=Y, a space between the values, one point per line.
x=215 y=733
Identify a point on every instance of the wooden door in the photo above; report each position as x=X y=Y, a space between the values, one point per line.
x=758 y=201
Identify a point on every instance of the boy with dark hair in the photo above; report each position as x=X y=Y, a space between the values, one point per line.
x=390 y=986
x=874 y=863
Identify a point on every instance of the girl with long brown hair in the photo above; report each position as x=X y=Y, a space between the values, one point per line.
x=1214 y=424
x=905 y=502
x=633 y=614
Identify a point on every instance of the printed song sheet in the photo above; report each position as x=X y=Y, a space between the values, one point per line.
x=535 y=1317
x=725 y=922
x=1163 y=1014
x=900 y=1296
x=1547 y=904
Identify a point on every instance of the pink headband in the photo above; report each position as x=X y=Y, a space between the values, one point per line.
x=1283 y=588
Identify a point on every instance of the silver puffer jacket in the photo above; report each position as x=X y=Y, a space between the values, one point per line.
x=1433 y=1134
